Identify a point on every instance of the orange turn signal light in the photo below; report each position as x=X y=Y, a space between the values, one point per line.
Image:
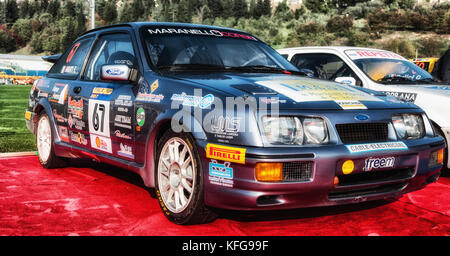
x=269 y=171
x=441 y=156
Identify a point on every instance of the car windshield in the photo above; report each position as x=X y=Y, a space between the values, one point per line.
x=381 y=68
x=193 y=49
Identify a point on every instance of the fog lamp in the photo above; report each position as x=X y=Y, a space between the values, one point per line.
x=269 y=171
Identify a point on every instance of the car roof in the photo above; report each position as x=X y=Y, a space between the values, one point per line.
x=334 y=48
x=137 y=25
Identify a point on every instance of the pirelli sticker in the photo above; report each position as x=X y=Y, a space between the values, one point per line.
x=224 y=153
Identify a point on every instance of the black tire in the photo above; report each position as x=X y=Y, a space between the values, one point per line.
x=195 y=212
x=52 y=160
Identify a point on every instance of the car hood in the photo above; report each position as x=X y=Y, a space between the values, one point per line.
x=294 y=92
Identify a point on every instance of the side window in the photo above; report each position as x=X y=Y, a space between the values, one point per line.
x=109 y=50
x=324 y=66
x=70 y=64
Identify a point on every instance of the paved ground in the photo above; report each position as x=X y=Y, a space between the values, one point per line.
x=102 y=200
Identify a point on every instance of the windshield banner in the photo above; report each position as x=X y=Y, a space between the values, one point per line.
x=370 y=54
x=201 y=32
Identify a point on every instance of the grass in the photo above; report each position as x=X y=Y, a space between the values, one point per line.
x=14 y=135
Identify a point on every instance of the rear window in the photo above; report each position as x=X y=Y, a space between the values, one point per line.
x=70 y=64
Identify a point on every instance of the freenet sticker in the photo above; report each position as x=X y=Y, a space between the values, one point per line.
x=358 y=148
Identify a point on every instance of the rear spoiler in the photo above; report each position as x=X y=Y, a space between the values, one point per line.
x=52 y=58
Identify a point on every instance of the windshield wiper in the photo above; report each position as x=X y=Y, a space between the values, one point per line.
x=193 y=66
x=264 y=69
x=396 y=79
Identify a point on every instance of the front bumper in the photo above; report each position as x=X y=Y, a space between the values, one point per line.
x=411 y=172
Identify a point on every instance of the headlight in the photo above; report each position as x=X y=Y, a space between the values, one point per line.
x=294 y=130
x=409 y=126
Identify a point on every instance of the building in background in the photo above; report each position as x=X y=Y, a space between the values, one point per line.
x=21 y=69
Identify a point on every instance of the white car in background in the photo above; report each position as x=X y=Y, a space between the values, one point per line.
x=382 y=71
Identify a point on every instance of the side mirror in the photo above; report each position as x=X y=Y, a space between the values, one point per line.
x=348 y=80
x=308 y=72
x=118 y=73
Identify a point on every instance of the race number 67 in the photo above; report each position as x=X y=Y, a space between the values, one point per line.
x=96 y=116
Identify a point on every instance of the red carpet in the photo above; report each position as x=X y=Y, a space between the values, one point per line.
x=109 y=201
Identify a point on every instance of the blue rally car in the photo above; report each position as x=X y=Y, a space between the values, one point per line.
x=212 y=117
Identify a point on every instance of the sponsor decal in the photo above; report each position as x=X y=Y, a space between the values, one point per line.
x=69 y=70
x=76 y=123
x=122 y=109
x=42 y=94
x=150 y=97
x=306 y=90
x=225 y=153
x=404 y=96
x=59 y=93
x=72 y=52
x=124 y=101
x=271 y=100
x=140 y=116
x=225 y=128
x=122 y=121
x=125 y=151
x=63 y=133
x=202 y=32
x=220 y=174
x=194 y=101
x=76 y=107
x=375 y=163
x=28 y=115
x=58 y=117
x=102 y=90
x=353 y=104
x=101 y=143
x=121 y=135
x=78 y=138
x=98 y=115
x=368 y=54
x=358 y=148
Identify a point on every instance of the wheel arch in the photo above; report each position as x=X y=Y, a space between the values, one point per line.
x=162 y=124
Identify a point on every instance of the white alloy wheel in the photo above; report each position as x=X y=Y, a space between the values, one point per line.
x=44 y=138
x=176 y=174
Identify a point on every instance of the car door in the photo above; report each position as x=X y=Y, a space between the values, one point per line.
x=63 y=76
x=108 y=96
x=324 y=66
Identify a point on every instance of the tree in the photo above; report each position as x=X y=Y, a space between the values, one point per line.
x=137 y=10
x=109 y=14
x=24 y=10
x=80 y=19
x=259 y=10
x=53 y=8
x=216 y=8
x=318 y=6
x=183 y=14
x=12 y=12
x=240 y=8
x=267 y=8
x=69 y=9
x=126 y=14
x=22 y=27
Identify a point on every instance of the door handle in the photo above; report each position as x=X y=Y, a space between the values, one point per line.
x=77 y=89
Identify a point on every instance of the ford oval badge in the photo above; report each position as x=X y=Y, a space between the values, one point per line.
x=362 y=117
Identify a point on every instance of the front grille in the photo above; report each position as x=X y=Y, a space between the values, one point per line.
x=360 y=133
x=297 y=171
x=375 y=176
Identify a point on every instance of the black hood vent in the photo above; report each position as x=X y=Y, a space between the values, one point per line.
x=254 y=89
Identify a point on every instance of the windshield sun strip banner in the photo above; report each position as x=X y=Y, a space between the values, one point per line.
x=199 y=31
x=370 y=54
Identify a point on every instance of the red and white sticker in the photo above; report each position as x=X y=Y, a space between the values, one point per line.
x=370 y=54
